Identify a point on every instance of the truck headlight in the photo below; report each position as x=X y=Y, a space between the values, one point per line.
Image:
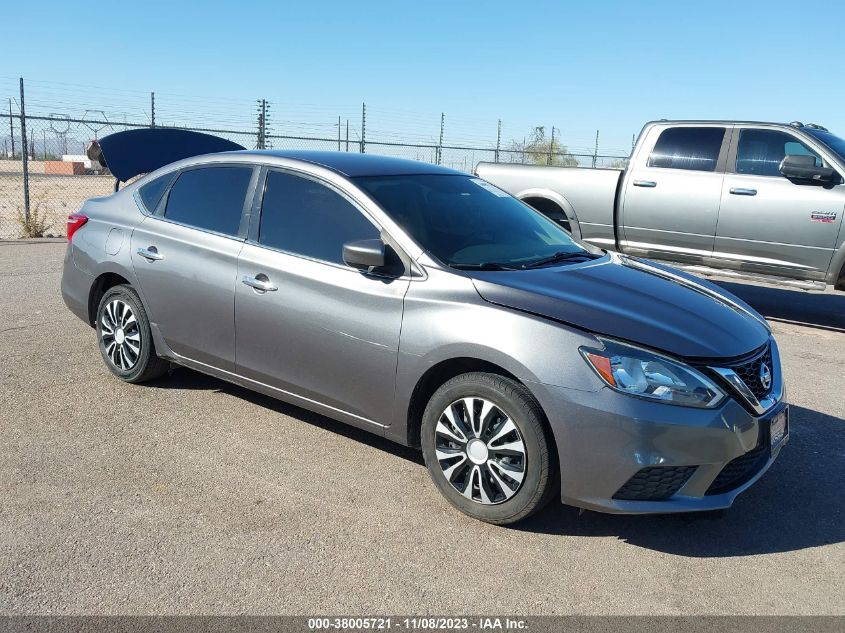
x=646 y=374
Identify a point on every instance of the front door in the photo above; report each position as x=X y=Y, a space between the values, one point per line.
x=186 y=262
x=314 y=327
x=671 y=197
x=768 y=224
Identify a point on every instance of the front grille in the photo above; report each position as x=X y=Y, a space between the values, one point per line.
x=655 y=483
x=740 y=470
x=749 y=371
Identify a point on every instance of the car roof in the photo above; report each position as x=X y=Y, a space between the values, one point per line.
x=353 y=164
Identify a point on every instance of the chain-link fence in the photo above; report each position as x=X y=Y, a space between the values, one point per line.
x=55 y=177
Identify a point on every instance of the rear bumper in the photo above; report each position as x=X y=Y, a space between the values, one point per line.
x=76 y=286
x=605 y=438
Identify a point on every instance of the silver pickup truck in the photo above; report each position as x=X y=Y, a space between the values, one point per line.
x=761 y=201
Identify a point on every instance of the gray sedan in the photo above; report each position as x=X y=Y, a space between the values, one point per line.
x=430 y=307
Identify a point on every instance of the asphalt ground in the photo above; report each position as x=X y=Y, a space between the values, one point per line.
x=190 y=495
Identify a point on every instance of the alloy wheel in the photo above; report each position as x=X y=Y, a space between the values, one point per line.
x=480 y=450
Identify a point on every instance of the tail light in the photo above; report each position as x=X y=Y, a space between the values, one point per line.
x=75 y=221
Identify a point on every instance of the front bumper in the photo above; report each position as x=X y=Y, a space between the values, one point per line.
x=605 y=438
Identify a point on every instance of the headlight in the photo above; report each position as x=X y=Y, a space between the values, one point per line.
x=649 y=375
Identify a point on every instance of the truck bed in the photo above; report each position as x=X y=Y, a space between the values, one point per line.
x=589 y=201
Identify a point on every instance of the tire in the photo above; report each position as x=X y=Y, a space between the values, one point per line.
x=125 y=339
x=499 y=466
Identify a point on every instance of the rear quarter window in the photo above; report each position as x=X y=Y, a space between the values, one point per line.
x=151 y=192
x=692 y=148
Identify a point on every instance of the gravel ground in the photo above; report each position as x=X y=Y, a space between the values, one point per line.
x=194 y=496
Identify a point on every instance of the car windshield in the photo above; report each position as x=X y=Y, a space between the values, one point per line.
x=466 y=222
x=835 y=143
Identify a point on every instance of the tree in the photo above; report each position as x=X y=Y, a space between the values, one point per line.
x=539 y=150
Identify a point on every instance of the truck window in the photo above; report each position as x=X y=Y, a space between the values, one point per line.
x=760 y=152
x=695 y=148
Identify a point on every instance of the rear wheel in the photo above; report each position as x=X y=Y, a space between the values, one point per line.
x=124 y=336
x=487 y=448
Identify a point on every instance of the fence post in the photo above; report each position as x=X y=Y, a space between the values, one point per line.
x=363 y=127
x=498 y=140
x=24 y=158
x=440 y=143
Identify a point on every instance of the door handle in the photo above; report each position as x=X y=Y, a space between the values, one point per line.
x=645 y=183
x=150 y=253
x=260 y=282
x=739 y=191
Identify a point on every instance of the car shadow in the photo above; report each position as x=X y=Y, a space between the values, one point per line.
x=819 y=309
x=184 y=378
x=796 y=505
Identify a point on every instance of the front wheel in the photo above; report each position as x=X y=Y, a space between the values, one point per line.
x=487 y=448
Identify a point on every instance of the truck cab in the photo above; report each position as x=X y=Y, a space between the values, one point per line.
x=755 y=200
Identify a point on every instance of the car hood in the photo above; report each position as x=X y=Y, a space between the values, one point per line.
x=633 y=300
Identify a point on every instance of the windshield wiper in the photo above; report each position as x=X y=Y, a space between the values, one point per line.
x=484 y=266
x=560 y=256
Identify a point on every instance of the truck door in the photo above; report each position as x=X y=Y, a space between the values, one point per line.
x=768 y=224
x=671 y=198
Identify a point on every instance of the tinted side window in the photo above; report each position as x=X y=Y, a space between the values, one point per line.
x=302 y=216
x=760 y=152
x=695 y=148
x=152 y=192
x=210 y=198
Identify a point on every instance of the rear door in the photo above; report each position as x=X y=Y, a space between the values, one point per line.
x=185 y=258
x=768 y=224
x=671 y=199
x=325 y=333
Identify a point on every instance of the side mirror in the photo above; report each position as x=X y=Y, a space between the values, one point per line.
x=800 y=167
x=364 y=254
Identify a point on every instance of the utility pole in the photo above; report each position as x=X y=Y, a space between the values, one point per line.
x=347 y=135
x=338 y=133
x=596 y=150
x=11 y=128
x=262 y=123
x=440 y=143
x=24 y=158
x=552 y=145
x=152 y=109
x=633 y=141
x=498 y=140
x=363 y=127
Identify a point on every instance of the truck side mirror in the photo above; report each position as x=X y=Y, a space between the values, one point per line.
x=803 y=167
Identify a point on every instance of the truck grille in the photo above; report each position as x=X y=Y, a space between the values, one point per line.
x=655 y=483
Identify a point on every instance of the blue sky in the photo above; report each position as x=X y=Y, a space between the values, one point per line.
x=579 y=66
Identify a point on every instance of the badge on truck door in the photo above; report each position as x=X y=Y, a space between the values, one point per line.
x=827 y=217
